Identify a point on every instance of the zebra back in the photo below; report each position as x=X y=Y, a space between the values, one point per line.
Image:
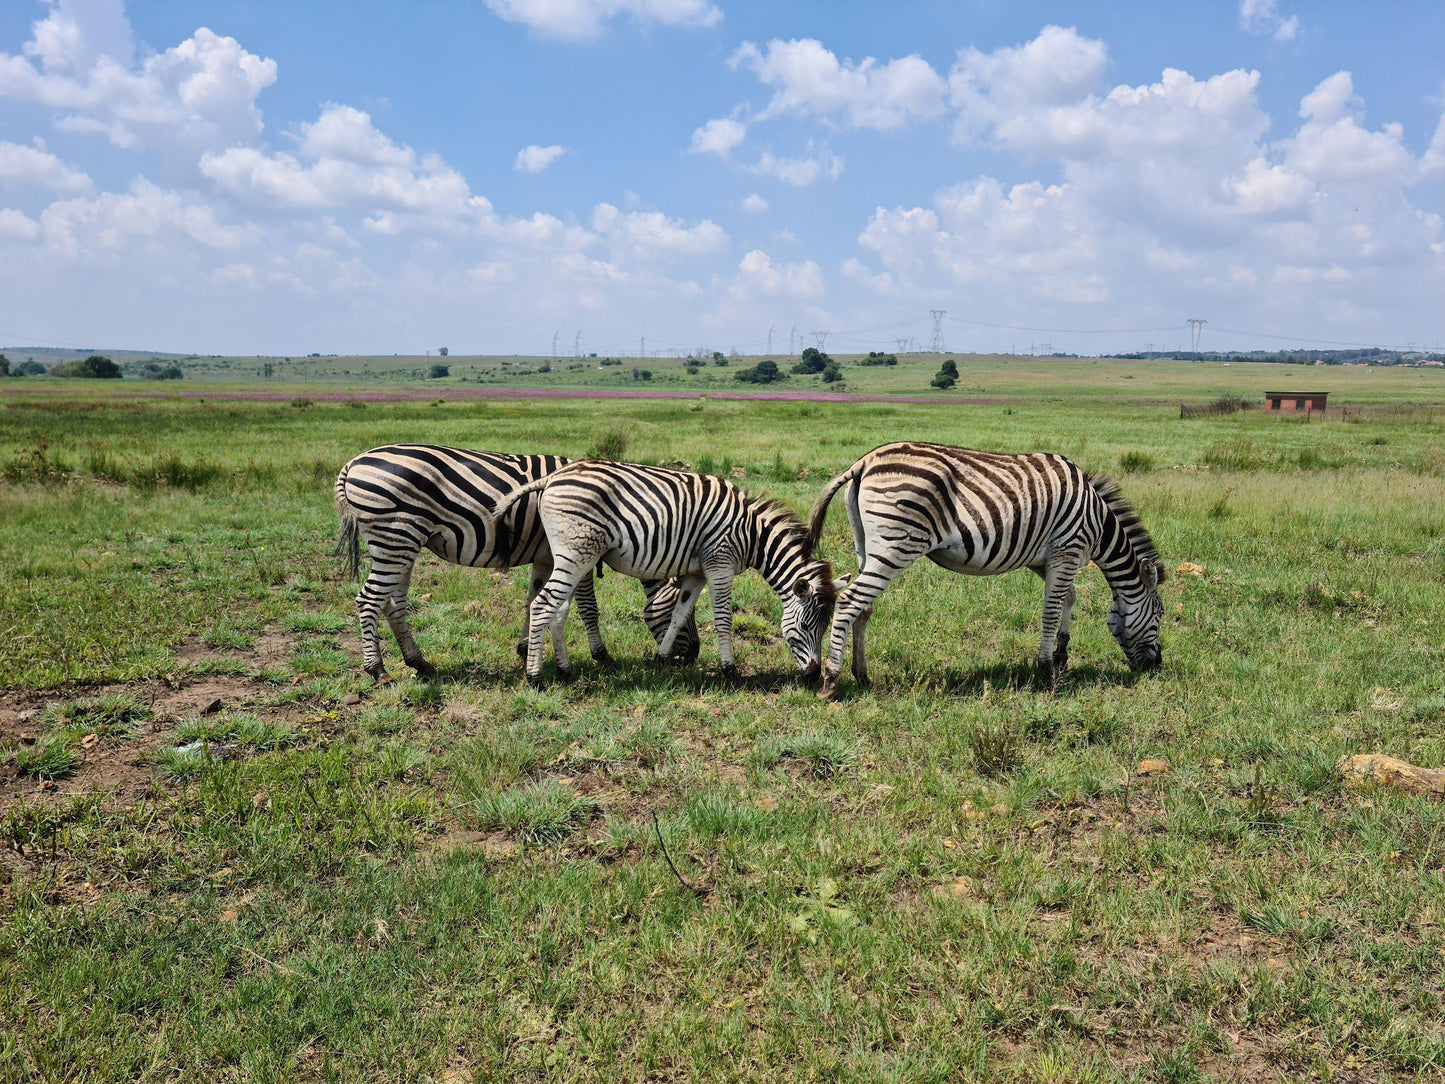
x=447 y=497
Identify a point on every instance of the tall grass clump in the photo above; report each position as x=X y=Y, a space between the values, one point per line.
x=610 y=445
x=1136 y=462
x=542 y=812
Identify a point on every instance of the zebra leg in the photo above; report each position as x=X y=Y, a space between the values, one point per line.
x=857 y=598
x=395 y=609
x=541 y=569
x=549 y=609
x=591 y=614
x=688 y=590
x=860 y=661
x=657 y=613
x=392 y=559
x=1058 y=574
x=720 y=587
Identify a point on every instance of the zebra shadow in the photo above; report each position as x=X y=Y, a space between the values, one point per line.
x=643 y=674
x=972 y=681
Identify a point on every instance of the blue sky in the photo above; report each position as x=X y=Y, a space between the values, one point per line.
x=283 y=178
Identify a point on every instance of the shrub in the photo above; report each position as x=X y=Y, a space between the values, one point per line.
x=949 y=368
x=438 y=371
x=813 y=361
x=943 y=381
x=877 y=357
x=764 y=372
x=610 y=445
x=94 y=367
x=832 y=374
x=155 y=371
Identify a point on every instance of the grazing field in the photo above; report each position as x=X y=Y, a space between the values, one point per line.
x=224 y=854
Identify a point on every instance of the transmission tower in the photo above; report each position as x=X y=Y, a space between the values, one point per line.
x=1196 y=329
x=901 y=344
x=577 y=346
x=555 y=337
x=642 y=347
x=935 y=345
x=792 y=331
x=770 y=342
x=822 y=338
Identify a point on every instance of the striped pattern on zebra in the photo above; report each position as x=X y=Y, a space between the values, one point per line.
x=985 y=513
x=404 y=497
x=655 y=522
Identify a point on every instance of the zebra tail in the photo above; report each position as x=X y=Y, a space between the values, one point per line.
x=348 y=540
x=502 y=544
x=820 y=509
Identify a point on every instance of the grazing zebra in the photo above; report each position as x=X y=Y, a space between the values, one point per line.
x=655 y=522
x=983 y=513
x=405 y=496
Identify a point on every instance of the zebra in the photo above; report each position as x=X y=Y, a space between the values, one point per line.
x=403 y=497
x=984 y=513
x=657 y=522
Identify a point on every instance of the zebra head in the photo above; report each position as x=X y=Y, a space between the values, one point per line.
x=1135 y=615
x=807 y=613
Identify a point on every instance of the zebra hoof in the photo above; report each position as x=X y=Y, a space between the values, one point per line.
x=565 y=673
x=423 y=668
x=829 y=692
x=862 y=679
x=535 y=680
x=378 y=674
x=729 y=671
x=522 y=650
x=810 y=674
x=604 y=659
x=1061 y=651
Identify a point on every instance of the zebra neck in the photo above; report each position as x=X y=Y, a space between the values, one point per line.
x=1116 y=557
x=777 y=553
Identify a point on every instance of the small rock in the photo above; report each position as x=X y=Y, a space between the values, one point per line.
x=260 y=800
x=351 y=700
x=954 y=889
x=90 y=741
x=213 y=707
x=1152 y=767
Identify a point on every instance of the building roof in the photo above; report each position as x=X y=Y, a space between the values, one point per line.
x=1295 y=394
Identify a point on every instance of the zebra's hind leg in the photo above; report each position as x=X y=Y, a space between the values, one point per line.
x=720 y=587
x=860 y=660
x=549 y=610
x=540 y=571
x=591 y=614
x=393 y=555
x=857 y=599
x=395 y=608
x=688 y=590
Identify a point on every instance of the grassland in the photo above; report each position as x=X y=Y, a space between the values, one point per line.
x=224 y=855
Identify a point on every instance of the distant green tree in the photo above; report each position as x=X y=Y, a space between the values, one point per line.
x=949 y=368
x=30 y=367
x=877 y=357
x=764 y=372
x=718 y=359
x=813 y=361
x=943 y=381
x=4 y=365
x=156 y=371
x=832 y=374
x=444 y=351
x=94 y=367
x=439 y=371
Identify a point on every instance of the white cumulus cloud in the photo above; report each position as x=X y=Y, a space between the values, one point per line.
x=809 y=80
x=1262 y=17
x=754 y=204
x=22 y=165
x=534 y=159
x=582 y=20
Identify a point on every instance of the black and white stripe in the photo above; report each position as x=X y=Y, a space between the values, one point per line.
x=652 y=522
x=985 y=513
x=403 y=497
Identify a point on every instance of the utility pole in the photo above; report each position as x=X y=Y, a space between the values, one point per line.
x=577 y=346
x=1196 y=329
x=642 y=347
x=791 y=333
x=770 y=342
x=555 y=337
x=935 y=345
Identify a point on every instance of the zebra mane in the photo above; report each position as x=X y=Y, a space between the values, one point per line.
x=1139 y=537
x=786 y=522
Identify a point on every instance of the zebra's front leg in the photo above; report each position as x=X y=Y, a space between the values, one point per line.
x=720 y=587
x=1058 y=573
x=688 y=590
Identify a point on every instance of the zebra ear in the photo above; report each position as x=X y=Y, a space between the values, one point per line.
x=840 y=583
x=801 y=587
x=1161 y=571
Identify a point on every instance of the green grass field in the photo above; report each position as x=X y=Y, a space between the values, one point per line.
x=217 y=862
